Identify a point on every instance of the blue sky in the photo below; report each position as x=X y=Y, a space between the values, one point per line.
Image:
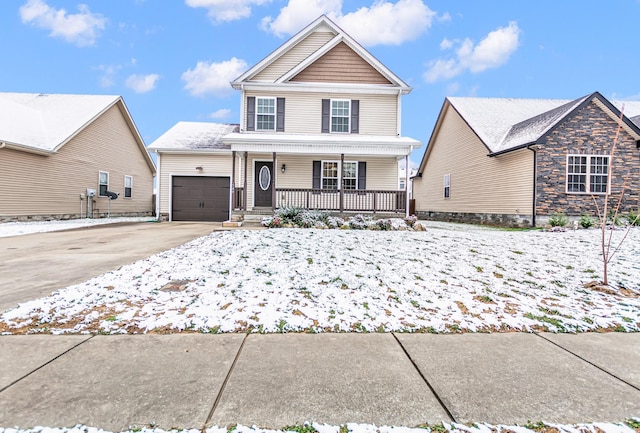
x=172 y=60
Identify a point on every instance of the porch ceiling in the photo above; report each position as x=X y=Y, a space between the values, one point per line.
x=322 y=144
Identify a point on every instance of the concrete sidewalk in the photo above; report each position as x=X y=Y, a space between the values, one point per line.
x=196 y=380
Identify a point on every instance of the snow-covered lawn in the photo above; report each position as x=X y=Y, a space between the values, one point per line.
x=621 y=427
x=25 y=228
x=449 y=278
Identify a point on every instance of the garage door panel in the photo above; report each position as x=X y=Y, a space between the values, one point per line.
x=200 y=198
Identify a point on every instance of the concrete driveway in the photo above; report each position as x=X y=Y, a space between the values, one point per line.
x=33 y=266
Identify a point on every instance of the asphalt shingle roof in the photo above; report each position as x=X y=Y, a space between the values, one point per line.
x=507 y=123
x=46 y=121
x=195 y=136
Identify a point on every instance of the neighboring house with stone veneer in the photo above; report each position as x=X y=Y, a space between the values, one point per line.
x=320 y=128
x=518 y=161
x=55 y=148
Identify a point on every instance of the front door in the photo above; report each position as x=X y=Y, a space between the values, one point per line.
x=263 y=185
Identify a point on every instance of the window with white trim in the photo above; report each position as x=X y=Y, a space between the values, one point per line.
x=103 y=183
x=447 y=185
x=340 y=115
x=128 y=186
x=587 y=174
x=350 y=175
x=330 y=174
x=265 y=114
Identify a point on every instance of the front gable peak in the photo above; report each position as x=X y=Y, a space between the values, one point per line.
x=320 y=53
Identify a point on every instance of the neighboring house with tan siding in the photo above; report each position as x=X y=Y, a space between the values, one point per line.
x=516 y=162
x=56 y=150
x=320 y=128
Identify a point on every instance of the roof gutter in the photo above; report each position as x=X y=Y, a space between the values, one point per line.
x=511 y=149
x=2 y=145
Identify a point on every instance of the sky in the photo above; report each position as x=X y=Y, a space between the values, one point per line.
x=172 y=60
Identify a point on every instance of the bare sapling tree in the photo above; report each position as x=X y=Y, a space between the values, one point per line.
x=607 y=245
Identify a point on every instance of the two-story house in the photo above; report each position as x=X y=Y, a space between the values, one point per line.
x=320 y=128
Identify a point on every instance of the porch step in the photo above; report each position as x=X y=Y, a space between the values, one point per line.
x=232 y=224
x=255 y=218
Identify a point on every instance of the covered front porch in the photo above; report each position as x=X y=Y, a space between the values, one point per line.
x=262 y=183
x=337 y=173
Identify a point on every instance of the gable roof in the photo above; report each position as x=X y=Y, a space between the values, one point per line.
x=321 y=24
x=505 y=124
x=203 y=136
x=43 y=123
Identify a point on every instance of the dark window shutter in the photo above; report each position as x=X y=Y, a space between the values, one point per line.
x=355 y=116
x=317 y=167
x=251 y=113
x=362 y=175
x=280 y=115
x=326 y=115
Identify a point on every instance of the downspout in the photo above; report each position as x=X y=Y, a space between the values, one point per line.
x=406 y=183
x=158 y=184
x=532 y=147
x=2 y=145
x=399 y=114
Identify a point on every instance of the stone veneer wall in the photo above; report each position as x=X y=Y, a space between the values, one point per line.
x=500 y=220
x=589 y=131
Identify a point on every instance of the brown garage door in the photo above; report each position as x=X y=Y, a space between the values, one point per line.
x=200 y=198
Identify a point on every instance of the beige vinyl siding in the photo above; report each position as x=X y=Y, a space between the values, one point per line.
x=51 y=185
x=479 y=184
x=185 y=165
x=303 y=112
x=341 y=65
x=294 y=56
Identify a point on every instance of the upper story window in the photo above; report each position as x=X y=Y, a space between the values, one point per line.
x=587 y=174
x=128 y=186
x=103 y=183
x=265 y=114
x=340 y=115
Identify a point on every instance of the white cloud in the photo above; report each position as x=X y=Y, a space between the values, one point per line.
x=383 y=23
x=142 y=83
x=222 y=113
x=213 y=78
x=226 y=10
x=107 y=79
x=81 y=29
x=446 y=44
x=491 y=52
x=298 y=13
x=386 y=23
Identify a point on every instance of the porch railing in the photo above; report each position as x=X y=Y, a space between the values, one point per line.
x=348 y=201
x=238 y=198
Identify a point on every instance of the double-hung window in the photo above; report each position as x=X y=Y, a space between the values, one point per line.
x=350 y=175
x=447 y=185
x=128 y=186
x=340 y=115
x=331 y=177
x=587 y=174
x=265 y=114
x=103 y=183
x=330 y=174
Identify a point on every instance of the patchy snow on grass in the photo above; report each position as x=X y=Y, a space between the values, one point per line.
x=367 y=428
x=451 y=278
x=25 y=228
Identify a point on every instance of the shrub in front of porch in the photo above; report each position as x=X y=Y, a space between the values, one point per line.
x=292 y=217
